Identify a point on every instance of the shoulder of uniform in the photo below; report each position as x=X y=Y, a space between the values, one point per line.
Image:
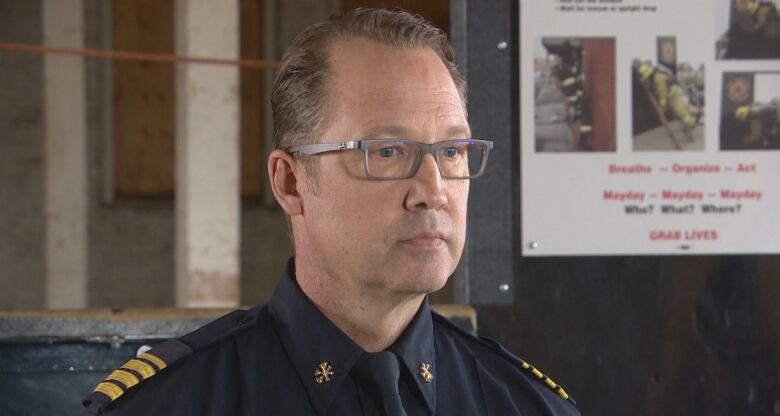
x=150 y=363
x=448 y=324
x=220 y=328
x=505 y=354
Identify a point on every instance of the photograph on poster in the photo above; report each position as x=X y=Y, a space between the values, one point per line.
x=574 y=94
x=750 y=29
x=750 y=111
x=667 y=99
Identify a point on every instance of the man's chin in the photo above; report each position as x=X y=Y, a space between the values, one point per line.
x=422 y=271
x=424 y=280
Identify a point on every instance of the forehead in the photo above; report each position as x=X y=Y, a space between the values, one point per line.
x=374 y=86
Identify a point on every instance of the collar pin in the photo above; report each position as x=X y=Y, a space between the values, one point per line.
x=425 y=372
x=323 y=372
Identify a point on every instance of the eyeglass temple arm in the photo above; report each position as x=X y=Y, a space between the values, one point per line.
x=313 y=149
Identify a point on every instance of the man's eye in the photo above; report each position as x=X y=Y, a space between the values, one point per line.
x=451 y=151
x=388 y=152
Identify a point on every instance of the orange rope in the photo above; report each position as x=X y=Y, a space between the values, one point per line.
x=136 y=56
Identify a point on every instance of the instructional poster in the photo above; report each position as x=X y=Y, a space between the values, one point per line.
x=650 y=126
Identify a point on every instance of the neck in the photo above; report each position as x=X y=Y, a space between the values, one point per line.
x=373 y=318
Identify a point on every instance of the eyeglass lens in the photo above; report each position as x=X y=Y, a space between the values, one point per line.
x=398 y=158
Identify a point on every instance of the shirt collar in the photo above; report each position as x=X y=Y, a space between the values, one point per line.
x=311 y=339
x=415 y=349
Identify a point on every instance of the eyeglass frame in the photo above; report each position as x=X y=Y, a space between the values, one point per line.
x=425 y=148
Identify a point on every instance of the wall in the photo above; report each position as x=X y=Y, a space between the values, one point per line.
x=21 y=154
x=130 y=252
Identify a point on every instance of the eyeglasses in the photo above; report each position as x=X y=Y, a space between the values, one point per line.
x=400 y=159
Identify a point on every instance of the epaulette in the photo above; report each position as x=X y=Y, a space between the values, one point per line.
x=148 y=364
x=547 y=381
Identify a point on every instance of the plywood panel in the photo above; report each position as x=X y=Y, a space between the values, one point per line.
x=143 y=100
x=252 y=163
x=436 y=11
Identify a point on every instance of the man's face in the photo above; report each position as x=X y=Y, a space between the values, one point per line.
x=400 y=236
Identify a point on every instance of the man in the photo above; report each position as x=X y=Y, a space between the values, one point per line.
x=372 y=165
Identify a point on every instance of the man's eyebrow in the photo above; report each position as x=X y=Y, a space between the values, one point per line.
x=460 y=131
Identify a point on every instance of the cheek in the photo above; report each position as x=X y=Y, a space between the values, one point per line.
x=359 y=212
x=373 y=208
x=458 y=202
x=354 y=164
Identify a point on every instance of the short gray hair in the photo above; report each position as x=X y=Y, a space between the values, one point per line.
x=299 y=90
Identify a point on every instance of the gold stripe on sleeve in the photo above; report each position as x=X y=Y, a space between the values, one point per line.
x=140 y=367
x=109 y=389
x=155 y=359
x=124 y=377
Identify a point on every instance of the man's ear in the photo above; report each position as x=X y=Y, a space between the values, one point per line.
x=284 y=177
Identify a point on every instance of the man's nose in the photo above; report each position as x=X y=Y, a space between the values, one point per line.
x=427 y=189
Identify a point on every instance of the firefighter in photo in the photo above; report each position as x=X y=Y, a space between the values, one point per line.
x=671 y=97
x=766 y=17
x=760 y=123
x=754 y=31
x=569 y=72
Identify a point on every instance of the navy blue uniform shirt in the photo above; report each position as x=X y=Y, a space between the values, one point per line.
x=287 y=358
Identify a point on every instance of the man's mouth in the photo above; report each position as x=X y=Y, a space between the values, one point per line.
x=426 y=240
